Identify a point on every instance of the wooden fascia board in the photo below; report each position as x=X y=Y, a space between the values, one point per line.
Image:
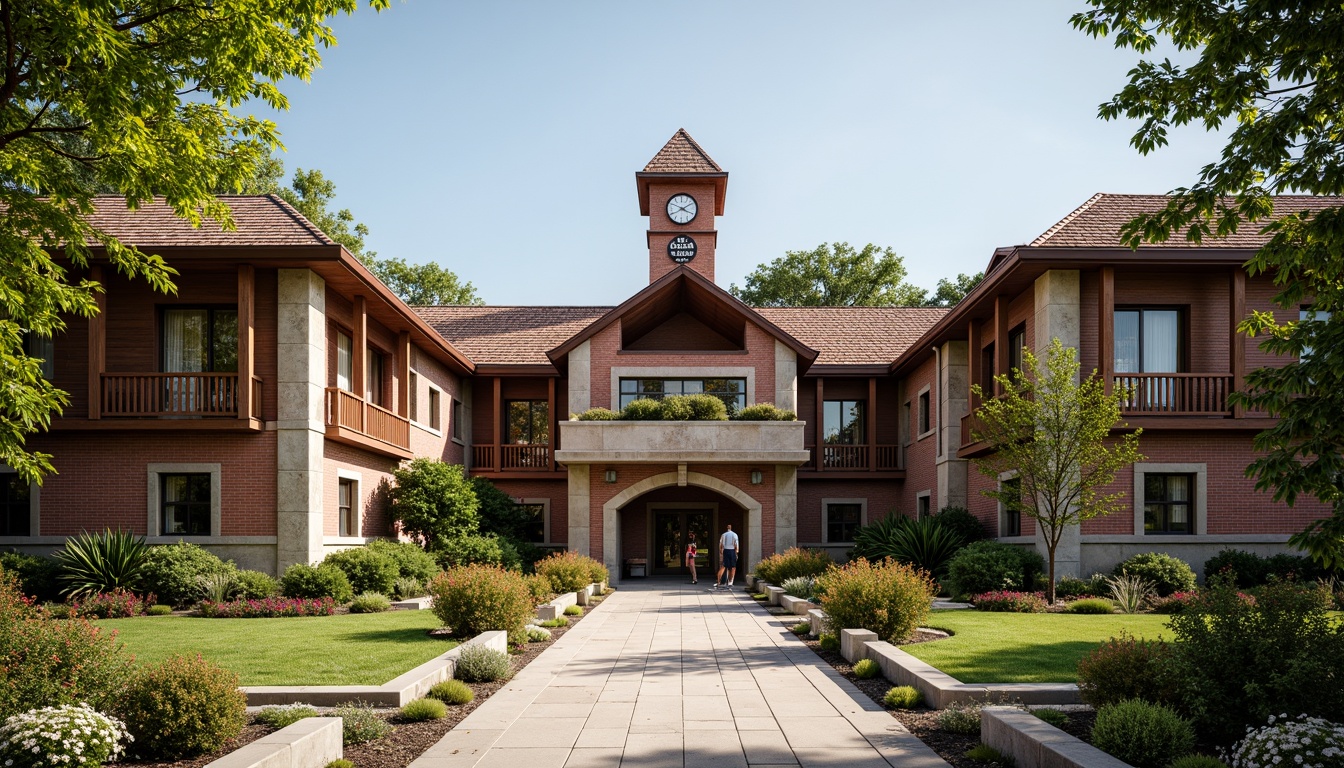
x=642 y=179
x=506 y=370
x=841 y=370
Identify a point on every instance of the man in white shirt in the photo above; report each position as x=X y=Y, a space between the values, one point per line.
x=728 y=548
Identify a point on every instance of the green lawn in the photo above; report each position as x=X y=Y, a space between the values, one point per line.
x=1024 y=647
x=351 y=649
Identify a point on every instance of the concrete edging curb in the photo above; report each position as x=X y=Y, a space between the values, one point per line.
x=1034 y=743
x=556 y=608
x=312 y=742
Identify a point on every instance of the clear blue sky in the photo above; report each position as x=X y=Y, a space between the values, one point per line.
x=501 y=138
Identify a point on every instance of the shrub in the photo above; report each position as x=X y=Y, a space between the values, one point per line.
x=801 y=628
x=537 y=634
x=598 y=414
x=1310 y=742
x=181 y=707
x=68 y=735
x=174 y=572
x=599 y=574
x=269 y=608
x=284 y=715
x=452 y=692
x=1238 y=661
x=360 y=723
x=433 y=501
x=1095 y=605
x=1248 y=569
x=573 y=610
x=1198 y=761
x=903 y=697
x=960 y=718
x=100 y=562
x=558 y=621
x=367 y=570
x=217 y=587
x=117 y=604
x=926 y=544
x=421 y=710
x=1143 y=734
x=1071 y=586
x=643 y=409
x=370 y=602
x=316 y=582
x=159 y=610
x=988 y=566
x=1052 y=716
x=569 y=571
x=803 y=587
x=340 y=762
x=479 y=664
x=255 y=585
x=960 y=520
x=1173 y=603
x=1125 y=667
x=984 y=753
x=866 y=669
x=406 y=588
x=479 y=598
x=707 y=408
x=792 y=562
x=37 y=575
x=54 y=662
x=1166 y=573
x=1129 y=592
x=413 y=562
x=829 y=642
x=477 y=548
x=888 y=598
x=540 y=588
x=1010 y=602
x=765 y=412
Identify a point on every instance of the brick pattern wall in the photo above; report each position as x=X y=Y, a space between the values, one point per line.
x=555 y=490
x=701 y=228
x=375 y=472
x=884 y=498
x=921 y=473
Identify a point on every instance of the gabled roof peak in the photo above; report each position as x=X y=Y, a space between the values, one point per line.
x=681 y=154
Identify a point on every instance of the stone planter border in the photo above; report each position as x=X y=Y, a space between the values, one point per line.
x=310 y=743
x=1034 y=743
x=556 y=607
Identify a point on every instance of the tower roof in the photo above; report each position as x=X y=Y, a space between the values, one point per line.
x=682 y=155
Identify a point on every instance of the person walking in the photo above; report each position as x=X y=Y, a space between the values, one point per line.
x=728 y=546
x=691 y=552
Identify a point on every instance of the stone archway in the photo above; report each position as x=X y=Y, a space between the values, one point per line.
x=611 y=518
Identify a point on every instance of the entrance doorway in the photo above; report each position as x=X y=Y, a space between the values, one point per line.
x=671 y=529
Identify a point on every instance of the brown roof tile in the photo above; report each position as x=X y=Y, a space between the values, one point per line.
x=682 y=155
x=855 y=335
x=264 y=220
x=1097 y=222
x=509 y=335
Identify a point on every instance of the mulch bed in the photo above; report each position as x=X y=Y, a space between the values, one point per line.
x=399 y=748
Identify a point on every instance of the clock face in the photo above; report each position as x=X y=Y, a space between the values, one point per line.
x=681 y=249
x=681 y=209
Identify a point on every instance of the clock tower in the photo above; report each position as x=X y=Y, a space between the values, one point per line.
x=681 y=190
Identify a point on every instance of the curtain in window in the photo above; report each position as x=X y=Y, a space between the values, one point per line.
x=186 y=349
x=344 y=362
x=1161 y=334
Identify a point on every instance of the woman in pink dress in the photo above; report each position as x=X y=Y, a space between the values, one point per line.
x=691 y=552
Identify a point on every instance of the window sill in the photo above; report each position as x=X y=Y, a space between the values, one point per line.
x=459 y=441
x=923 y=435
x=427 y=428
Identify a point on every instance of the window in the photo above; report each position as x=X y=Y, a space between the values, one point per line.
x=1147 y=340
x=905 y=423
x=185 y=504
x=15 y=505
x=924 y=425
x=1017 y=341
x=1305 y=314
x=435 y=416
x=842 y=522
x=414 y=405
x=373 y=377
x=459 y=432
x=733 y=392
x=1168 y=503
x=345 y=362
x=199 y=340
x=347 y=506
x=534 y=531
x=41 y=348
x=987 y=371
x=529 y=422
x=1011 y=524
x=922 y=506
x=842 y=422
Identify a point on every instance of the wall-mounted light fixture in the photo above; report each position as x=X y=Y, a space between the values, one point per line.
x=755 y=477
x=611 y=476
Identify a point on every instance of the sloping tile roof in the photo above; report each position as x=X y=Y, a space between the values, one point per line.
x=682 y=155
x=509 y=335
x=855 y=335
x=265 y=220
x=1097 y=222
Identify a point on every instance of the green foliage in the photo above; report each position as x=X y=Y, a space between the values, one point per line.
x=421 y=710
x=413 y=562
x=1009 y=602
x=1054 y=431
x=434 y=502
x=285 y=715
x=702 y=407
x=1239 y=660
x=949 y=293
x=599 y=414
x=537 y=634
x=1123 y=668
x=570 y=571
x=173 y=572
x=558 y=621
x=1248 y=569
x=255 y=585
x=100 y=562
x=217 y=587
x=960 y=520
x=888 y=598
x=764 y=412
x=370 y=602
x=1071 y=586
x=159 y=610
x=1197 y=761
x=1291 y=741
x=804 y=587
x=960 y=718
x=117 y=604
x=983 y=753
x=793 y=562
x=498 y=513
x=643 y=409
x=477 y=549
x=361 y=723
x=829 y=642
x=406 y=588
x=478 y=598
x=927 y=544
x=866 y=669
x=1093 y=605
x=903 y=697
x=540 y=588
x=368 y=570
x=425 y=284
x=479 y=664
x=670 y=408
x=833 y=275
x=340 y=763
x=43 y=661
x=36 y=575
x=1129 y=593
x=988 y=566
x=573 y=610
x=1052 y=716
x=182 y=707
x=1167 y=574
x=309 y=581
x=70 y=736
x=452 y=692
x=801 y=628
x=1143 y=734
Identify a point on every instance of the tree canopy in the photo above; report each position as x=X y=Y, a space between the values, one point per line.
x=837 y=275
x=1270 y=71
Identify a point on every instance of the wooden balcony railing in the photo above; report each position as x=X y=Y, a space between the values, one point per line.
x=346 y=410
x=846 y=458
x=149 y=395
x=517 y=458
x=1175 y=394
x=969 y=422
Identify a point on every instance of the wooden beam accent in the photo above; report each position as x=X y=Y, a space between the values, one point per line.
x=359 y=348
x=247 y=302
x=499 y=424
x=1106 y=327
x=404 y=375
x=872 y=423
x=974 y=356
x=97 y=346
x=554 y=427
x=1000 y=339
x=1237 y=341
x=820 y=428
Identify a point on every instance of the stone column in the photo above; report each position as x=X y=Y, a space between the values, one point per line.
x=1058 y=316
x=786 y=377
x=954 y=393
x=301 y=340
x=580 y=378
x=578 y=509
x=786 y=508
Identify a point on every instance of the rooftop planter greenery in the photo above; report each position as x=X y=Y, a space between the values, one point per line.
x=686 y=408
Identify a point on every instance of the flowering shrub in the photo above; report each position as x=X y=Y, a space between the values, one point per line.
x=117 y=604
x=182 y=707
x=1173 y=603
x=569 y=571
x=791 y=563
x=269 y=608
x=1124 y=667
x=1307 y=742
x=67 y=736
x=888 y=598
x=540 y=588
x=477 y=598
x=1010 y=602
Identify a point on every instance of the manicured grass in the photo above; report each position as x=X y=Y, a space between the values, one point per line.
x=1024 y=647
x=352 y=649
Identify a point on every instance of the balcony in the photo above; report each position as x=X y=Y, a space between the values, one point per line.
x=174 y=395
x=353 y=420
x=664 y=442
x=1174 y=394
x=516 y=458
x=856 y=458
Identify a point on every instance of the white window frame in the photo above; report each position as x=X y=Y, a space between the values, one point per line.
x=1200 y=508
x=928 y=494
x=546 y=516
x=154 y=470
x=356 y=502
x=34 y=511
x=679 y=372
x=826 y=514
x=933 y=420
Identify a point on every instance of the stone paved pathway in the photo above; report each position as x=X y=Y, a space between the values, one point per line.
x=663 y=675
